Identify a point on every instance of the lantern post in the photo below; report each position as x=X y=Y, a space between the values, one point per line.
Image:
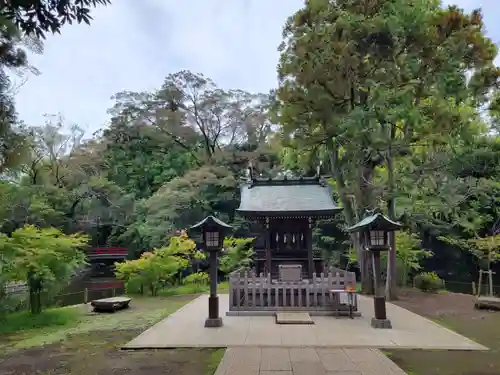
x=213 y=232
x=374 y=237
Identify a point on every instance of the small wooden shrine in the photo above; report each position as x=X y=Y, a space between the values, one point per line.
x=288 y=276
x=286 y=209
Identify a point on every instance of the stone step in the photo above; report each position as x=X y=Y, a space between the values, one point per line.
x=293 y=318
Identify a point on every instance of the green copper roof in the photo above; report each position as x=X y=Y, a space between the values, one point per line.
x=301 y=196
x=376 y=221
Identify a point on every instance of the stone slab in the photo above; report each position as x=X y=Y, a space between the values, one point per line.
x=306 y=361
x=293 y=318
x=110 y=304
x=185 y=329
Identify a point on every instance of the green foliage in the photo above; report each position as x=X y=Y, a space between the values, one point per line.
x=12 y=304
x=44 y=258
x=154 y=270
x=409 y=255
x=428 y=282
x=39 y=16
x=381 y=93
x=186 y=289
x=147 y=158
x=486 y=250
x=199 y=278
x=14 y=149
x=214 y=361
x=181 y=202
x=238 y=253
x=183 y=290
x=24 y=321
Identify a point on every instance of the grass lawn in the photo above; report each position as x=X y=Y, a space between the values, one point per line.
x=75 y=341
x=186 y=289
x=454 y=311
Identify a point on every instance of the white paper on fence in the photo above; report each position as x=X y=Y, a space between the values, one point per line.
x=343 y=298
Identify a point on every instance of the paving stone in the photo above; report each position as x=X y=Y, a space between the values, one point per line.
x=224 y=363
x=308 y=368
x=396 y=370
x=304 y=355
x=275 y=359
x=373 y=368
x=246 y=356
x=301 y=340
x=332 y=351
x=336 y=361
x=303 y=361
x=242 y=370
x=358 y=355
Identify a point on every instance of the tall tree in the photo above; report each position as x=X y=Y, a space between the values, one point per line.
x=13 y=52
x=368 y=81
x=198 y=115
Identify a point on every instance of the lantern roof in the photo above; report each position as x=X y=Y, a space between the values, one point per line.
x=211 y=221
x=377 y=221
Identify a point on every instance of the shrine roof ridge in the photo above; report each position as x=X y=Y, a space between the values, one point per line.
x=286 y=181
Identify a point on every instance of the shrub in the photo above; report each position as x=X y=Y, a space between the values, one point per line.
x=238 y=253
x=198 y=278
x=154 y=270
x=428 y=282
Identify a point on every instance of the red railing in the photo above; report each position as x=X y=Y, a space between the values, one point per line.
x=105 y=284
x=107 y=253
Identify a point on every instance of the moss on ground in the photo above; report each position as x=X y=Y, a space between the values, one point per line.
x=456 y=312
x=88 y=344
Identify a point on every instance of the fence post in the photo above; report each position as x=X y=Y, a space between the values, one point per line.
x=85 y=295
x=113 y=292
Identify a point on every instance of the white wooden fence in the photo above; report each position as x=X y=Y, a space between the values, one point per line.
x=16 y=288
x=249 y=292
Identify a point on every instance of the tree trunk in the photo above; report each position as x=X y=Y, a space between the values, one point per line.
x=350 y=216
x=34 y=289
x=35 y=301
x=366 y=203
x=391 y=279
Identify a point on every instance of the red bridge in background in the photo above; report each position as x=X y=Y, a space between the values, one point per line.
x=116 y=253
x=100 y=284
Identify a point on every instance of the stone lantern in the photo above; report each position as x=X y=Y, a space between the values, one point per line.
x=213 y=232
x=374 y=237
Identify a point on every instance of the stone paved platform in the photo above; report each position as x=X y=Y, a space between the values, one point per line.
x=185 y=328
x=306 y=361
